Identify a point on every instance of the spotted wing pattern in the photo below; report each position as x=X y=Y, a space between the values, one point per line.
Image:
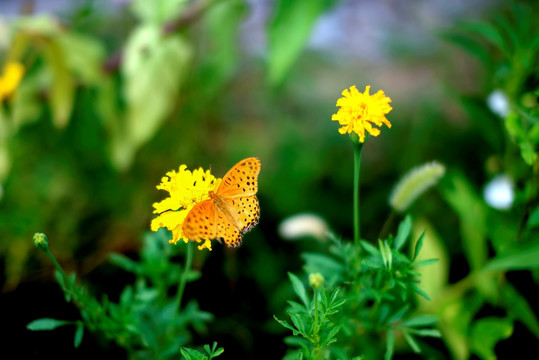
x=227 y=230
x=233 y=210
x=246 y=212
x=200 y=222
x=241 y=180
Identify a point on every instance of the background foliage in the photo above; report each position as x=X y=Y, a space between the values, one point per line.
x=115 y=96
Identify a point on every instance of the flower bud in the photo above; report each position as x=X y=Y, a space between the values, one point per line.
x=316 y=280
x=41 y=242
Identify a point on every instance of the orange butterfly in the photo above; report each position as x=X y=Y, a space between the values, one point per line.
x=231 y=211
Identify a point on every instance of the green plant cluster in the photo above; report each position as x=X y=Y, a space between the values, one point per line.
x=146 y=321
x=372 y=300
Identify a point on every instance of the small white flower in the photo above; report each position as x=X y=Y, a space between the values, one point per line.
x=498 y=103
x=303 y=225
x=499 y=192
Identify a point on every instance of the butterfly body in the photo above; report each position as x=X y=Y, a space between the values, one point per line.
x=231 y=211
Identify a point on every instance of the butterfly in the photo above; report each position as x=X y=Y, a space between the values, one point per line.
x=231 y=211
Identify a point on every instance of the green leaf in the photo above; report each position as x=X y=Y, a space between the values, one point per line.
x=425 y=262
x=154 y=66
x=525 y=257
x=78 y=334
x=420 y=320
x=62 y=90
x=370 y=248
x=299 y=323
x=470 y=45
x=420 y=292
x=46 y=324
x=411 y=341
x=222 y=20
x=125 y=263
x=472 y=212
x=84 y=56
x=405 y=227
x=519 y=308
x=299 y=289
x=426 y=332
x=288 y=32
x=27 y=105
x=486 y=333
x=489 y=33
x=330 y=337
x=398 y=315
x=390 y=345
x=527 y=151
x=285 y=324
x=418 y=246
x=191 y=354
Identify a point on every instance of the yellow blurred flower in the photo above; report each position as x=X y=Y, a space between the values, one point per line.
x=359 y=111
x=10 y=79
x=186 y=189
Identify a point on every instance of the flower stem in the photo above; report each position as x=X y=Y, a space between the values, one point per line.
x=357 y=223
x=57 y=266
x=183 y=279
x=316 y=327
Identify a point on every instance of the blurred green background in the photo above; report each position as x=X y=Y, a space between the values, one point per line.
x=115 y=94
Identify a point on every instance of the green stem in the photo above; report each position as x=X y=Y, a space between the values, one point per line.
x=357 y=220
x=57 y=266
x=316 y=327
x=183 y=279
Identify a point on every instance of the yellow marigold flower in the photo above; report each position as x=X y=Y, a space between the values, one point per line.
x=10 y=79
x=360 y=110
x=186 y=189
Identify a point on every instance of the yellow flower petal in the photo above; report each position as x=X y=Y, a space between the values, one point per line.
x=186 y=189
x=359 y=111
x=10 y=79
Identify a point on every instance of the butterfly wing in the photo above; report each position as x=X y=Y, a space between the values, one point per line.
x=241 y=180
x=227 y=231
x=205 y=221
x=201 y=222
x=245 y=211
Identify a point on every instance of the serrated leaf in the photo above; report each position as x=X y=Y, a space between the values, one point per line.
x=405 y=227
x=285 y=324
x=299 y=323
x=79 y=333
x=299 y=289
x=330 y=337
x=46 y=324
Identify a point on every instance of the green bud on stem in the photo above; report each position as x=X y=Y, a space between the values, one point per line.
x=41 y=242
